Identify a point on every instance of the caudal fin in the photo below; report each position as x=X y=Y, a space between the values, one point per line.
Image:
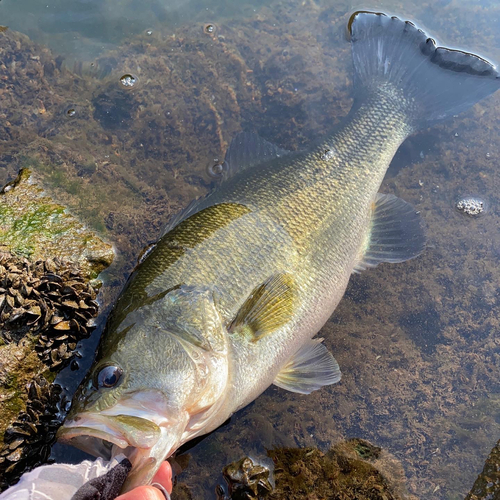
x=433 y=82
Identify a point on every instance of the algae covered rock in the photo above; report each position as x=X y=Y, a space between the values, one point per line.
x=33 y=226
x=351 y=470
x=48 y=262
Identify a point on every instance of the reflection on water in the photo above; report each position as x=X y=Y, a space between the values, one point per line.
x=417 y=342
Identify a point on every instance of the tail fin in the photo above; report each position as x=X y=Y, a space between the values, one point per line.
x=435 y=82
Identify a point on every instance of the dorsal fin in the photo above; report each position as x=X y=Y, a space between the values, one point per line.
x=247 y=150
x=182 y=214
x=396 y=233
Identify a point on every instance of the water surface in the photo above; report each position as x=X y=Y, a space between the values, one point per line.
x=417 y=342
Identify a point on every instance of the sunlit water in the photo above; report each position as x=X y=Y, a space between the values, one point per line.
x=159 y=88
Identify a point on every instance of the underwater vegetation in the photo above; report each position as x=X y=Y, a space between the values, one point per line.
x=352 y=470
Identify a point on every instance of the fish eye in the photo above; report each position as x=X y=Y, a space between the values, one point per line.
x=109 y=376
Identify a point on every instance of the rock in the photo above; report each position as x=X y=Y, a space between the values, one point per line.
x=48 y=265
x=247 y=480
x=351 y=470
x=33 y=226
x=354 y=469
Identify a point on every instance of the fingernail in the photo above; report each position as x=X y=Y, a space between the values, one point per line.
x=162 y=489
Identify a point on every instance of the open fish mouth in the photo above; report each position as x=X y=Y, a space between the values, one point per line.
x=97 y=434
x=143 y=442
x=139 y=427
x=136 y=421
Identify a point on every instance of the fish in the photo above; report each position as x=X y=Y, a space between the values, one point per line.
x=230 y=298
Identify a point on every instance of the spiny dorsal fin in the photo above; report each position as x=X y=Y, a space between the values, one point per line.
x=246 y=150
x=309 y=369
x=396 y=233
x=268 y=307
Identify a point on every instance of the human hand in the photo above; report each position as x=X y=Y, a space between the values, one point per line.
x=163 y=477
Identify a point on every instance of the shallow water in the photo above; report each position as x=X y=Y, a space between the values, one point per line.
x=417 y=342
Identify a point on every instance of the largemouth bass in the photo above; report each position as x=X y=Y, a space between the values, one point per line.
x=230 y=298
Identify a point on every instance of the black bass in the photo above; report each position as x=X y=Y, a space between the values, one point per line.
x=230 y=298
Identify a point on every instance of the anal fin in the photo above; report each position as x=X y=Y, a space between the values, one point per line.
x=311 y=368
x=396 y=233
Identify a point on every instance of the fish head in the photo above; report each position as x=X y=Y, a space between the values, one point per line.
x=156 y=382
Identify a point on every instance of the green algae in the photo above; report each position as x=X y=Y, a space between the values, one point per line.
x=33 y=226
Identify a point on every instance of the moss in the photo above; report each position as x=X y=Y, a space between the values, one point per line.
x=13 y=405
x=49 y=375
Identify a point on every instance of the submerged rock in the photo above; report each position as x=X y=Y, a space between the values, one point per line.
x=48 y=262
x=352 y=470
x=247 y=480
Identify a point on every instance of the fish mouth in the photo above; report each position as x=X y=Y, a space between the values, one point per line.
x=143 y=434
x=97 y=434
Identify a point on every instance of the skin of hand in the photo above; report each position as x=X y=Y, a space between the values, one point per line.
x=163 y=477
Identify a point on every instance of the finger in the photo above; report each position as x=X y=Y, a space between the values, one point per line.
x=143 y=493
x=164 y=476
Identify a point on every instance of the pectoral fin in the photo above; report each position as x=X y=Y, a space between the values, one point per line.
x=268 y=307
x=310 y=368
x=396 y=233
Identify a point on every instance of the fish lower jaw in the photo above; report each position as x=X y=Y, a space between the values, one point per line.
x=96 y=442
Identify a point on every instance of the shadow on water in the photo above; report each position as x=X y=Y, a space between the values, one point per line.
x=417 y=342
